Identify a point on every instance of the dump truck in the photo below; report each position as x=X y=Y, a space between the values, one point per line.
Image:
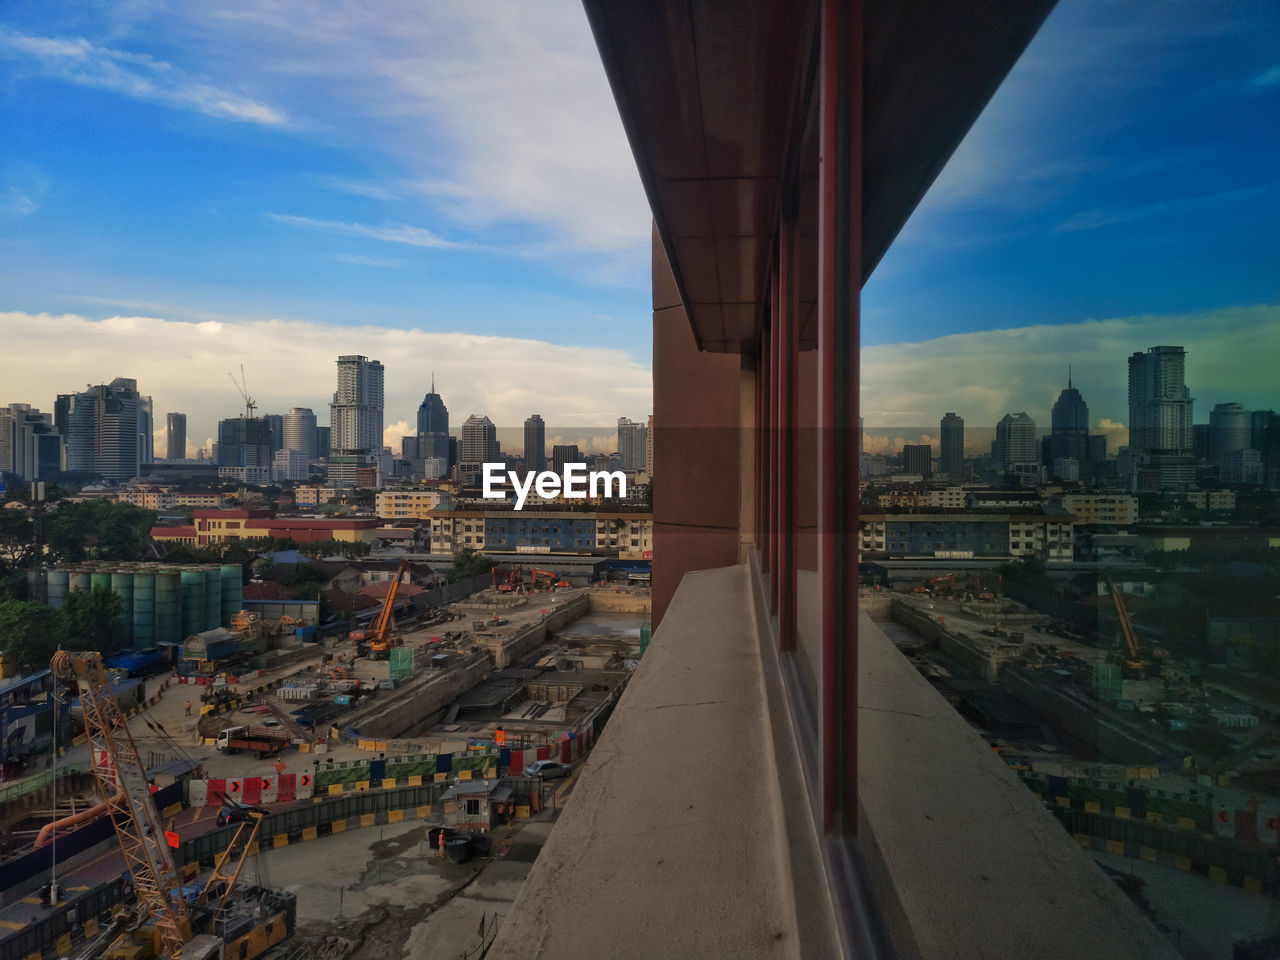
x=264 y=741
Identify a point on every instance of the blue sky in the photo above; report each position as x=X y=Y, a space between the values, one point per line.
x=452 y=181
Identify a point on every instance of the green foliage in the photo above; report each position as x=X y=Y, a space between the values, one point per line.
x=1030 y=571
x=29 y=634
x=15 y=538
x=90 y=620
x=467 y=563
x=99 y=529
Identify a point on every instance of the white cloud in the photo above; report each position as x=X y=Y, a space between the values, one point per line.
x=401 y=233
x=981 y=376
x=134 y=75
x=184 y=366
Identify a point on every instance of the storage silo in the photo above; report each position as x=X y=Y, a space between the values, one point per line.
x=169 y=605
x=232 y=592
x=78 y=578
x=192 y=601
x=212 y=597
x=122 y=587
x=100 y=578
x=144 y=608
x=57 y=587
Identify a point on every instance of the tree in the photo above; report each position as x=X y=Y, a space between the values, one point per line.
x=15 y=538
x=29 y=634
x=90 y=620
x=467 y=563
x=108 y=531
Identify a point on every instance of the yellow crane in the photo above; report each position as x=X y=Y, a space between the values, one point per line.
x=1135 y=663
x=378 y=638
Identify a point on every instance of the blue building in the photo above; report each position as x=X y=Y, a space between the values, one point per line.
x=561 y=534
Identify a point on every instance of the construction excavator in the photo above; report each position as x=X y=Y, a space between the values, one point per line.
x=379 y=636
x=548 y=579
x=192 y=927
x=507 y=581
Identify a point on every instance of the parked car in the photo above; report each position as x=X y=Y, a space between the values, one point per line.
x=547 y=769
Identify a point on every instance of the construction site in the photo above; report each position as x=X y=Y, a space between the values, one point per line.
x=1137 y=746
x=178 y=822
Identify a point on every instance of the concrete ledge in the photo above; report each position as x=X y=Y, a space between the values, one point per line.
x=963 y=860
x=673 y=842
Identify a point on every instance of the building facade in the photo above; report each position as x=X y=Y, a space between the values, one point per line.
x=355 y=415
x=1160 y=425
x=632 y=444
x=1016 y=441
x=300 y=432
x=535 y=444
x=952 y=445
x=986 y=535
x=175 y=436
x=917 y=458
x=1069 y=427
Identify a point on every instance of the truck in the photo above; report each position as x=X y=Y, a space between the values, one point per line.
x=263 y=741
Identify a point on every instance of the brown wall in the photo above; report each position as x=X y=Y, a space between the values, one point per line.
x=696 y=400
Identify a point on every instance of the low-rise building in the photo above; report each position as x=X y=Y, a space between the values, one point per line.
x=411 y=503
x=313 y=495
x=978 y=534
x=159 y=499
x=1116 y=509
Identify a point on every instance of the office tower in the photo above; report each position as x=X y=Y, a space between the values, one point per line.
x=355 y=416
x=918 y=458
x=477 y=445
x=563 y=453
x=102 y=428
x=409 y=448
x=1258 y=422
x=1096 y=448
x=176 y=437
x=1069 y=427
x=1016 y=441
x=433 y=425
x=1160 y=426
x=952 y=452
x=1230 y=428
x=246 y=442
x=631 y=443
x=535 y=444
x=30 y=445
x=323 y=447
x=300 y=431
x=276 y=422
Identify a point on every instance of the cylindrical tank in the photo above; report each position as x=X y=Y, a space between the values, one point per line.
x=212 y=597
x=144 y=608
x=58 y=581
x=79 y=579
x=232 y=592
x=169 y=605
x=122 y=587
x=100 y=578
x=192 y=601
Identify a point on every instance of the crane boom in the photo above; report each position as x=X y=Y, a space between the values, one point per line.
x=1126 y=625
x=125 y=791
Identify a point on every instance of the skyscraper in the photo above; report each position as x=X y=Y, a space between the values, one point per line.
x=563 y=453
x=1160 y=426
x=103 y=428
x=477 y=445
x=355 y=416
x=1069 y=427
x=1016 y=440
x=300 y=431
x=433 y=425
x=246 y=442
x=631 y=443
x=535 y=443
x=30 y=446
x=952 y=443
x=276 y=422
x=146 y=431
x=176 y=437
x=918 y=458
x=1229 y=430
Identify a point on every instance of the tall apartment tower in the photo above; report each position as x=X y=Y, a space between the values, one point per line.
x=30 y=445
x=175 y=436
x=1016 y=440
x=433 y=426
x=355 y=416
x=300 y=431
x=477 y=445
x=535 y=443
x=952 y=444
x=632 y=439
x=103 y=428
x=1161 y=436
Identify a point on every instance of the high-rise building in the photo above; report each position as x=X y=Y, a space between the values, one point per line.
x=176 y=436
x=648 y=447
x=103 y=428
x=299 y=432
x=30 y=445
x=355 y=416
x=1069 y=427
x=1016 y=441
x=146 y=431
x=632 y=439
x=477 y=445
x=1160 y=425
x=563 y=453
x=433 y=425
x=276 y=422
x=918 y=458
x=952 y=443
x=535 y=443
x=246 y=442
x=1230 y=427
x=323 y=446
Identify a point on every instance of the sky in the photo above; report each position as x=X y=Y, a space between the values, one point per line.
x=185 y=188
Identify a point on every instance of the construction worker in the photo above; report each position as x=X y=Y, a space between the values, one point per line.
x=188 y=708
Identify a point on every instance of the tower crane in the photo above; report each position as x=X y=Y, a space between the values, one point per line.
x=122 y=781
x=243 y=386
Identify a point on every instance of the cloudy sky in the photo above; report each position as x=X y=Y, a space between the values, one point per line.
x=188 y=187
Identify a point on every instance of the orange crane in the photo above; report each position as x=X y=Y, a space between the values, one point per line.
x=122 y=781
x=1135 y=663
x=378 y=638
